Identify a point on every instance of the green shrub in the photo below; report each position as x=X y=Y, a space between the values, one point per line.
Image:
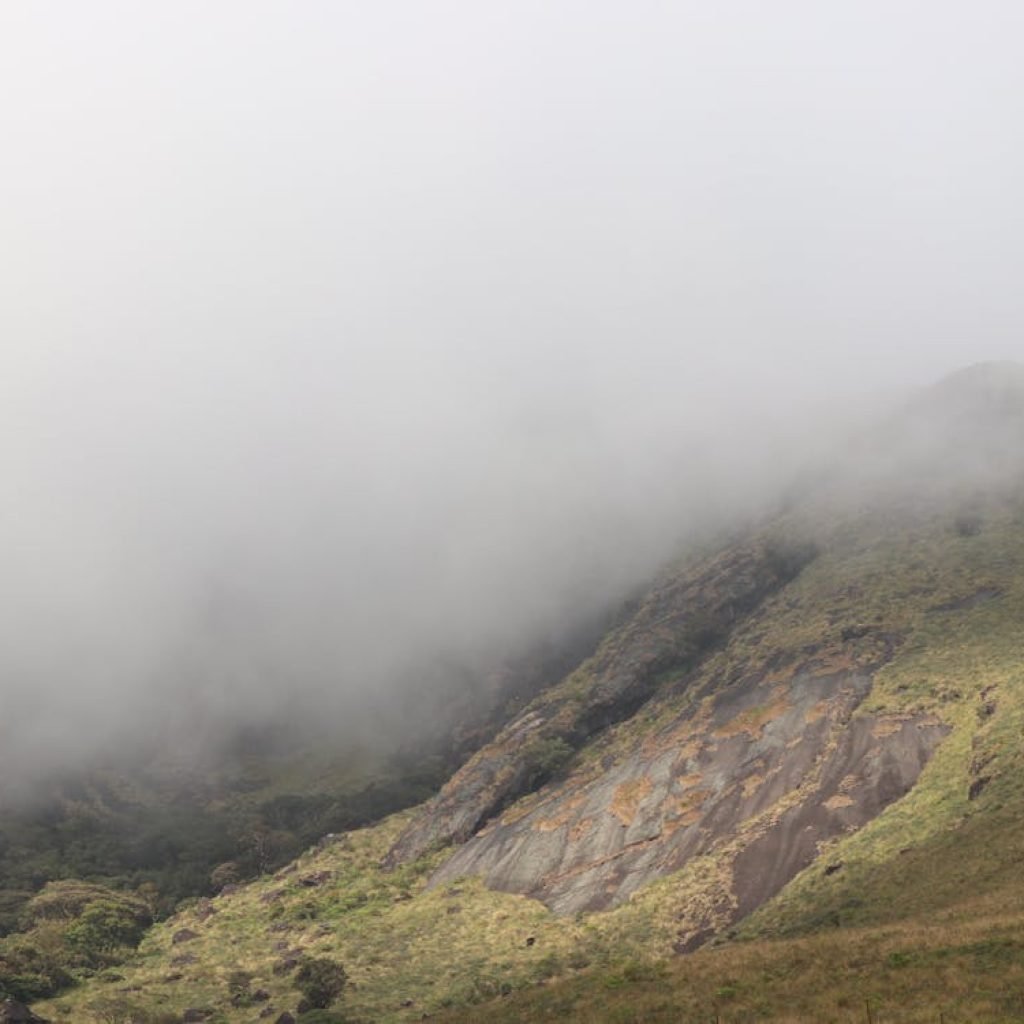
x=29 y=971
x=67 y=900
x=239 y=988
x=105 y=925
x=224 y=874
x=320 y=980
x=12 y=905
x=70 y=926
x=544 y=757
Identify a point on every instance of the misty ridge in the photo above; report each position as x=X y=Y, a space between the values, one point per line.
x=376 y=608
x=349 y=581
x=356 y=362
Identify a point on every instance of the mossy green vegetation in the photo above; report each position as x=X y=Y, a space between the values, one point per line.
x=396 y=942
x=68 y=930
x=168 y=829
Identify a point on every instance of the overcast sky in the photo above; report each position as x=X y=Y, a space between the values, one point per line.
x=337 y=334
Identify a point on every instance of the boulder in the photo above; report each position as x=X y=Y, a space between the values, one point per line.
x=285 y=965
x=316 y=879
x=204 y=910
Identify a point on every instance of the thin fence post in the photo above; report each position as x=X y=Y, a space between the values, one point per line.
x=867 y=1010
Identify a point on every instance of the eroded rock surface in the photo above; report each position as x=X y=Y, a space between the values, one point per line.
x=767 y=758
x=678 y=622
x=762 y=772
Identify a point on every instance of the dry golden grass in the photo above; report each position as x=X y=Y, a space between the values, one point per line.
x=964 y=974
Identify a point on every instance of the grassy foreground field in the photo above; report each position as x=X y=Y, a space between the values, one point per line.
x=965 y=972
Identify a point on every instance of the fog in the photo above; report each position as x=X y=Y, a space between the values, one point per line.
x=342 y=341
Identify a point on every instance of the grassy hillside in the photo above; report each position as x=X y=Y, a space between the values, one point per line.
x=912 y=973
x=165 y=812
x=168 y=826
x=919 y=912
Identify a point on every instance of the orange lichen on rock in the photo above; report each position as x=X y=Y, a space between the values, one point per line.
x=751 y=784
x=888 y=726
x=753 y=720
x=562 y=818
x=816 y=712
x=580 y=829
x=684 y=810
x=628 y=797
x=689 y=781
x=837 y=802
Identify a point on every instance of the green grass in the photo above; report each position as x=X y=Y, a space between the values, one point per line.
x=397 y=942
x=913 y=973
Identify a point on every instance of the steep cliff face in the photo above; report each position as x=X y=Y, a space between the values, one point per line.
x=769 y=769
x=677 y=624
x=753 y=754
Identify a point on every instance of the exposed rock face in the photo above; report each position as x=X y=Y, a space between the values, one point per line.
x=677 y=623
x=766 y=754
x=763 y=772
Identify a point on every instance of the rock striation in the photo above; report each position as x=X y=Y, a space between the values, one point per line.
x=682 y=618
x=764 y=773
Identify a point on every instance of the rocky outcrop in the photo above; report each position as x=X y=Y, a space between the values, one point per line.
x=762 y=774
x=683 y=618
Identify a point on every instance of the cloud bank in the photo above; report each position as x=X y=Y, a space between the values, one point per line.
x=344 y=340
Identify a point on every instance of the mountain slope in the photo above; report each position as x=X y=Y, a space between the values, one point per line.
x=827 y=710
x=683 y=618
x=165 y=811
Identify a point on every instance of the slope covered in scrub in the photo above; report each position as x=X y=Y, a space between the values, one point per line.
x=806 y=744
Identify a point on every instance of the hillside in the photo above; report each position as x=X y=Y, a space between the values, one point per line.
x=163 y=813
x=800 y=751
